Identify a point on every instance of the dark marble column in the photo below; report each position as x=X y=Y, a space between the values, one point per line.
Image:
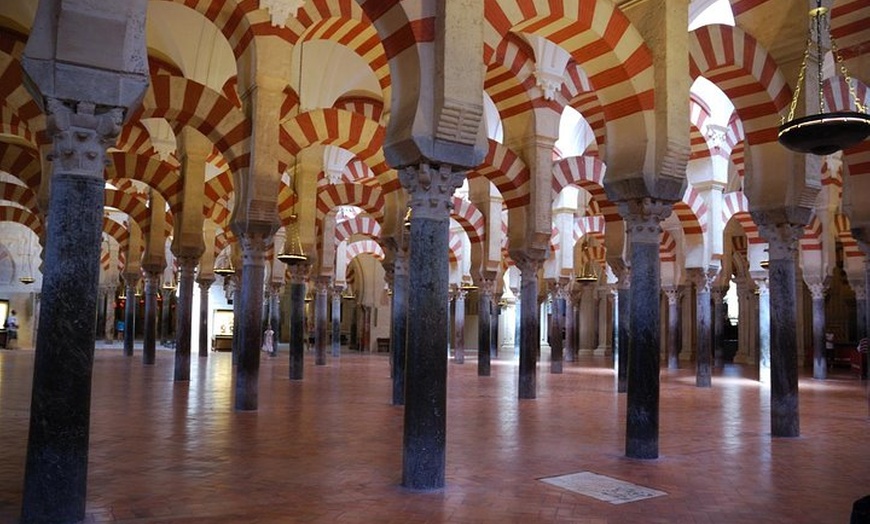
x=459 y=326
x=336 y=322
x=321 y=289
x=719 y=313
x=704 y=355
x=486 y=287
x=184 y=316
x=784 y=401
x=55 y=477
x=251 y=319
x=861 y=303
x=165 y=304
x=643 y=218
x=820 y=362
x=130 y=313
x=149 y=342
x=497 y=308
x=398 y=272
x=557 y=320
x=298 y=276
x=673 y=294
x=429 y=190
x=569 y=328
x=530 y=339
x=622 y=320
x=235 y=291
x=204 y=286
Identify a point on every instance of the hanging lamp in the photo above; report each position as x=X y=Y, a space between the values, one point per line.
x=825 y=132
x=587 y=270
x=227 y=270
x=27 y=278
x=293 y=253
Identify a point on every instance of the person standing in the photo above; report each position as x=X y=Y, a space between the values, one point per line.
x=11 y=326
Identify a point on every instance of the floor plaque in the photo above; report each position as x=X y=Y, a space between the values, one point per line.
x=604 y=488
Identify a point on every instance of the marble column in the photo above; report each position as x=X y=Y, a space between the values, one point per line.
x=236 y=293
x=556 y=322
x=623 y=330
x=298 y=276
x=703 y=338
x=130 y=314
x=336 y=321
x=184 y=316
x=430 y=191
x=643 y=218
x=250 y=328
x=570 y=332
x=603 y=333
x=495 y=321
x=165 y=303
x=587 y=319
x=149 y=342
x=784 y=401
x=321 y=289
x=204 y=286
x=529 y=326
x=820 y=361
x=719 y=314
x=109 y=334
x=399 y=324
x=673 y=294
x=485 y=306
x=55 y=477
x=747 y=322
x=861 y=303
x=459 y=327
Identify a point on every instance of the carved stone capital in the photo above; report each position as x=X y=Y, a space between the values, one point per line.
x=818 y=290
x=762 y=287
x=299 y=273
x=254 y=246
x=860 y=292
x=643 y=217
x=81 y=136
x=204 y=283
x=430 y=189
x=673 y=294
x=782 y=235
x=321 y=285
x=701 y=278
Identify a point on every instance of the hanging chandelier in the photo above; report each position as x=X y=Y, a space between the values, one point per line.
x=293 y=253
x=825 y=132
x=588 y=271
x=226 y=270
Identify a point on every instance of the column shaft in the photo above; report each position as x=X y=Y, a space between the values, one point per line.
x=399 y=326
x=459 y=327
x=149 y=343
x=623 y=333
x=673 y=328
x=184 y=317
x=250 y=321
x=336 y=323
x=484 y=329
x=204 y=286
x=320 y=332
x=297 y=321
x=556 y=345
x=530 y=340
x=130 y=318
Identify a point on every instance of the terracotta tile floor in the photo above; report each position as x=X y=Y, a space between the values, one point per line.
x=328 y=449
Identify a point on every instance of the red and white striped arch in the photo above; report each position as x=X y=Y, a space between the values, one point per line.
x=838 y=98
x=368 y=107
x=119 y=232
x=337 y=127
x=363 y=247
x=22 y=163
x=745 y=71
x=692 y=212
x=470 y=218
x=667 y=248
x=159 y=176
x=592 y=226
x=217 y=191
x=13 y=125
x=844 y=234
x=507 y=172
x=580 y=95
x=358 y=225
x=454 y=248
x=812 y=237
x=369 y=198
x=401 y=24
x=131 y=204
x=184 y=102
x=699 y=113
x=510 y=77
x=135 y=139
x=21 y=216
x=21 y=195
x=849 y=27
x=586 y=172
x=14 y=94
x=595 y=33
x=736 y=206
x=736 y=140
x=230 y=18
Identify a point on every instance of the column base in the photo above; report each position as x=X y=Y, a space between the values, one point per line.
x=601 y=352
x=585 y=352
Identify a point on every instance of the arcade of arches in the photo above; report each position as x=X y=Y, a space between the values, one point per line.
x=467 y=182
